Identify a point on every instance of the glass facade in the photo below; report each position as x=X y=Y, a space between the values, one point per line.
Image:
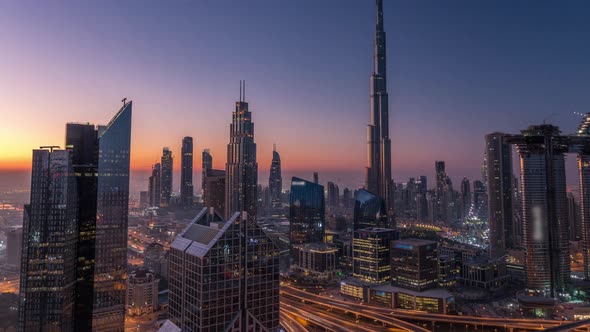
x=500 y=207
x=544 y=209
x=224 y=279
x=48 y=262
x=369 y=210
x=111 y=222
x=306 y=212
x=371 y=254
x=166 y=181
x=241 y=169
x=186 y=172
x=414 y=264
x=82 y=140
x=275 y=180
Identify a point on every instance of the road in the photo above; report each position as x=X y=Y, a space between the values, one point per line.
x=9 y=285
x=396 y=316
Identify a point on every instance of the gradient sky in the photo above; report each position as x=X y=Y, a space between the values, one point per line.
x=457 y=69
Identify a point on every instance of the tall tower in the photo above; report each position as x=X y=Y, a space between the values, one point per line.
x=500 y=207
x=48 y=266
x=167 y=165
x=378 y=177
x=206 y=164
x=275 y=180
x=186 y=172
x=544 y=208
x=241 y=185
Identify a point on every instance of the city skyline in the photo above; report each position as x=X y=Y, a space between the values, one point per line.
x=413 y=32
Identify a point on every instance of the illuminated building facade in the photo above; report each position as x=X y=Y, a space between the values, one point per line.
x=316 y=258
x=500 y=205
x=371 y=254
x=544 y=208
x=306 y=212
x=414 y=264
x=369 y=210
x=186 y=172
x=142 y=292
x=241 y=169
x=230 y=272
x=48 y=265
x=166 y=180
x=378 y=176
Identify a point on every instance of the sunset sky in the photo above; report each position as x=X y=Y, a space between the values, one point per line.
x=457 y=70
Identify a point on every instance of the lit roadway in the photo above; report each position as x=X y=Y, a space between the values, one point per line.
x=399 y=318
x=327 y=320
x=9 y=285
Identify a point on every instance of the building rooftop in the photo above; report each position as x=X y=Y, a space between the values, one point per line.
x=375 y=230
x=440 y=293
x=197 y=239
x=316 y=246
x=416 y=242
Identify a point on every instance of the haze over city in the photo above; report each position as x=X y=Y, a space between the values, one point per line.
x=456 y=71
x=294 y=166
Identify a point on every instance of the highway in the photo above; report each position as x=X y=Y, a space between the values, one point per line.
x=9 y=285
x=396 y=317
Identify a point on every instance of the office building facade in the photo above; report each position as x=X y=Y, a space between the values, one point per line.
x=241 y=169
x=186 y=172
x=306 y=212
x=414 y=264
x=229 y=271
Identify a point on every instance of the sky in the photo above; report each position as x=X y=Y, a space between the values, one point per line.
x=457 y=70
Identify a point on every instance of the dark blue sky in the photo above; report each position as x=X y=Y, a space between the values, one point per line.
x=456 y=69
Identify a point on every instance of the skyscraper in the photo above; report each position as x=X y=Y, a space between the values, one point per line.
x=48 y=266
x=307 y=210
x=414 y=264
x=275 y=180
x=241 y=169
x=369 y=210
x=441 y=176
x=465 y=197
x=500 y=207
x=378 y=177
x=333 y=195
x=166 y=182
x=186 y=172
x=206 y=164
x=215 y=190
x=14 y=246
x=155 y=185
x=371 y=254
x=544 y=208
x=230 y=273
x=100 y=160
x=110 y=271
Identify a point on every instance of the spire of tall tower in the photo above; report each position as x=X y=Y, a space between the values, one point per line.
x=379 y=15
x=378 y=177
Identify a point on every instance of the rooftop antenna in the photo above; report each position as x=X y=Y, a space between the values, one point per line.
x=274 y=147
x=244 y=90
x=124 y=100
x=240 y=91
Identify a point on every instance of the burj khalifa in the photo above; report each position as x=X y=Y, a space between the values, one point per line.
x=378 y=177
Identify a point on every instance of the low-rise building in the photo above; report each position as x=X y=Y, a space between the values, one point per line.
x=142 y=293
x=316 y=258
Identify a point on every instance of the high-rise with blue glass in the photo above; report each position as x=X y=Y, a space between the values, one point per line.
x=369 y=210
x=306 y=212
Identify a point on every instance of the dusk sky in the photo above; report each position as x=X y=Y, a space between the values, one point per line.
x=457 y=70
